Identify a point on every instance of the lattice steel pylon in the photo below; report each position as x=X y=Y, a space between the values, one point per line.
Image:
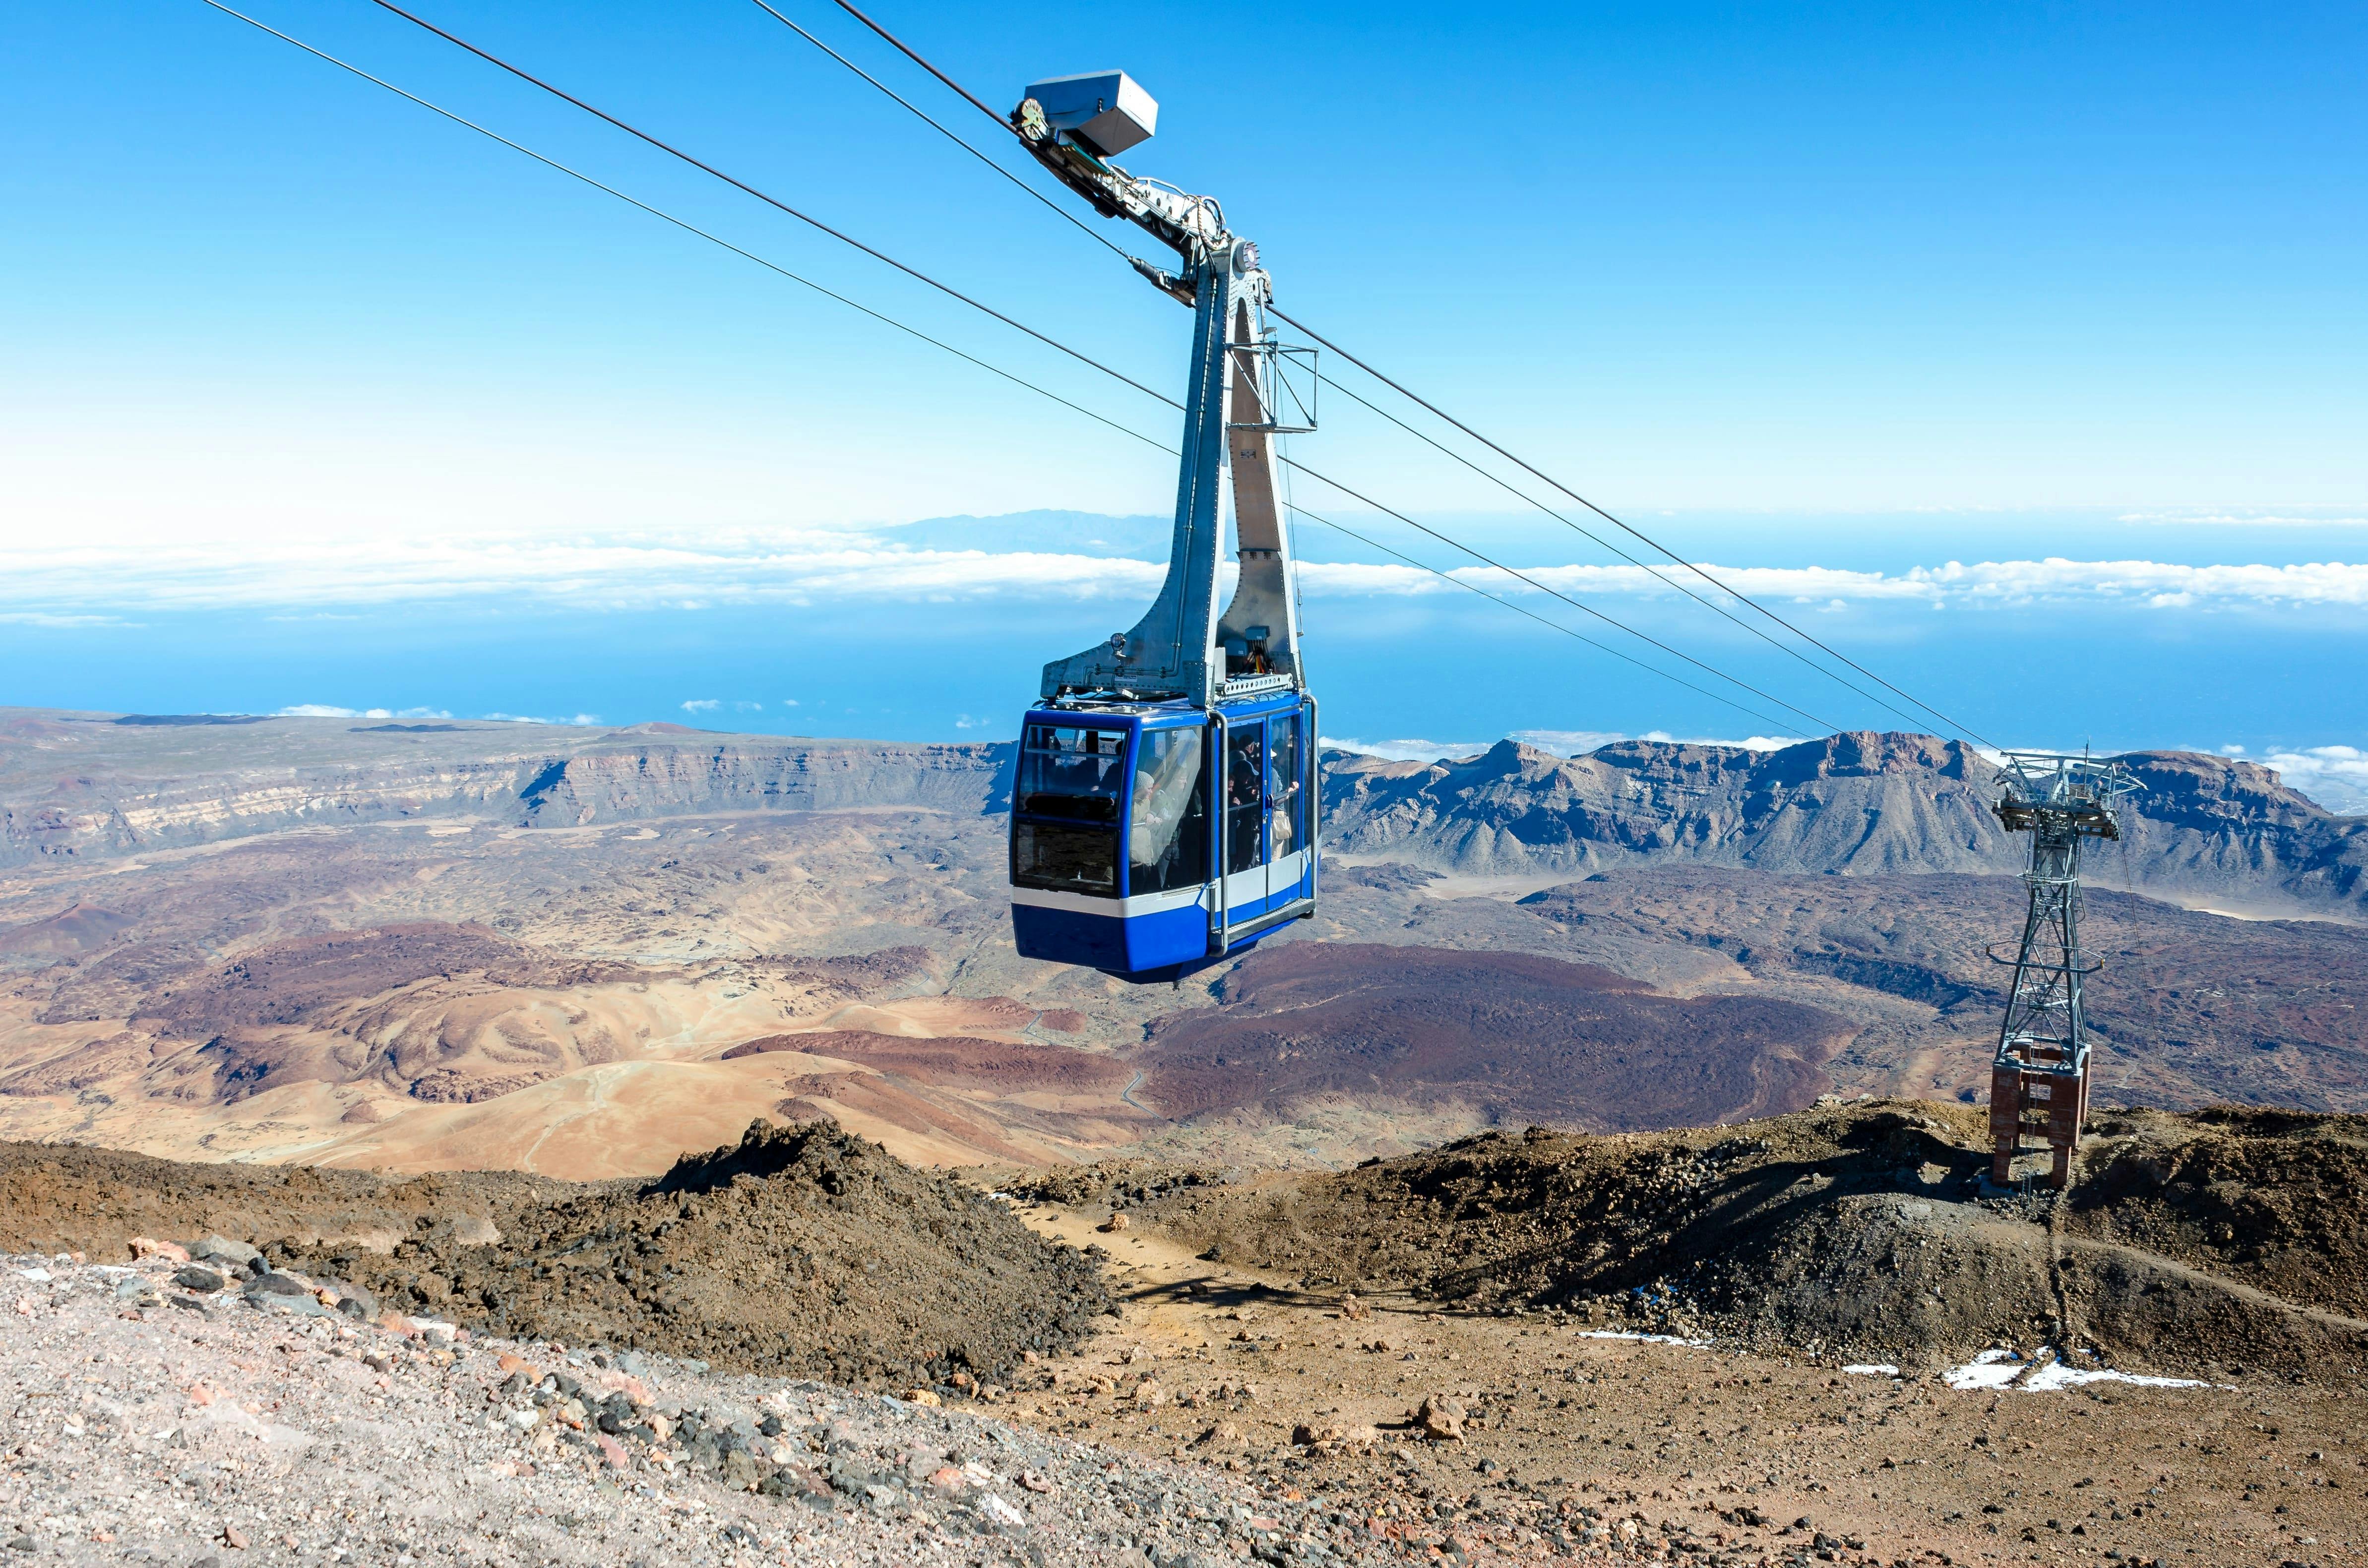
x=2042 y=1065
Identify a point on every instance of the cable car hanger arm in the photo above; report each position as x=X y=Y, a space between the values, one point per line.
x=1092 y=118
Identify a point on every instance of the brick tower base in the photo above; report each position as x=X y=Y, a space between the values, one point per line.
x=2042 y=1099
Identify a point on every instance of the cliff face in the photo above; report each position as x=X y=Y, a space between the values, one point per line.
x=2207 y=821
x=1854 y=803
x=748 y=775
x=71 y=786
x=1850 y=803
x=1860 y=804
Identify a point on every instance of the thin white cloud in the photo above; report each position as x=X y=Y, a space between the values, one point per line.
x=65 y=580
x=1404 y=751
x=2336 y=777
x=82 y=584
x=2248 y=519
x=1560 y=742
x=579 y=722
x=43 y=617
x=2152 y=583
x=1578 y=743
x=701 y=705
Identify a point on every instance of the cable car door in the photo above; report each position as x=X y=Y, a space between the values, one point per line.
x=1286 y=806
x=1245 y=888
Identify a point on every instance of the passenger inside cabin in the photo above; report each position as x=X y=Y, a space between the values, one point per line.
x=1242 y=782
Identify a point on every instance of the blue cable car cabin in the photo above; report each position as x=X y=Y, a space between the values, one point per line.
x=1164 y=803
x=1119 y=818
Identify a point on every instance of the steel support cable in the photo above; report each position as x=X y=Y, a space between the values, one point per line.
x=687 y=227
x=1593 y=537
x=1541 y=621
x=1416 y=398
x=1080 y=224
x=908 y=52
x=807 y=218
x=1827 y=725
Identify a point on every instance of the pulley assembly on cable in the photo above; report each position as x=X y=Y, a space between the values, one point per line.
x=1164 y=810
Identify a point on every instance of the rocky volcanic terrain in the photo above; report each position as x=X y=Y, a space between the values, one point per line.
x=2226 y=1238
x=796 y=1250
x=1513 y=1034
x=158 y=1420
x=582 y=954
x=2125 y=1377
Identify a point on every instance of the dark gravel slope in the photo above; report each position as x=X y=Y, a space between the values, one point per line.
x=799 y=1251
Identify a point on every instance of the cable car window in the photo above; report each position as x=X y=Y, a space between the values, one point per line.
x=1244 y=797
x=1286 y=803
x=1168 y=835
x=1071 y=772
x=1065 y=859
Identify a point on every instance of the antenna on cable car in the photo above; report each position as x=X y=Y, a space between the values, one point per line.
x=1163 y=811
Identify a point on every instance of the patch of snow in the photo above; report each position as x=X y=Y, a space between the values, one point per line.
x=1642 y=1338
x=2001 y=1369
x=1990 y=1370
x=2057 y=1375
x=1872 y=1369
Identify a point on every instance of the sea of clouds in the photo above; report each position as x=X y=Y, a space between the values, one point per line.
x=61 y=583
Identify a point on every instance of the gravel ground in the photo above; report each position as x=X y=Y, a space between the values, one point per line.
x=154 y=1421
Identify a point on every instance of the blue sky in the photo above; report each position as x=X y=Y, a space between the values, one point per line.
x=311 y=390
